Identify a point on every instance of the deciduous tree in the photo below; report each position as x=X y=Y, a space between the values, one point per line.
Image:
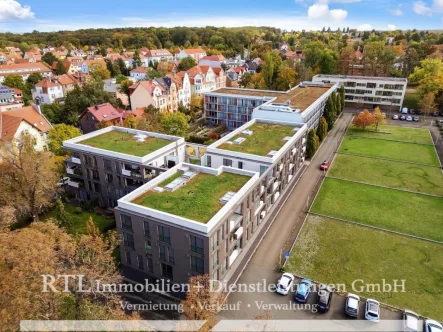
x=429 y=76
x=379 y=118
x=363 y=120
x=312 y=143
x=322 y=129
x=58 y=134
x=427 y=103
x=175 y=124
x=130 y=121
x=187 y=63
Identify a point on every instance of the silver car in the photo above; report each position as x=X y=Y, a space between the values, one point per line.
x=372 y=311
x=410 y=321
x=352 y=305
x=433 y=326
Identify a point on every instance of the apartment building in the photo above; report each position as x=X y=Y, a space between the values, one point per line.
x=367 y=91
x=24 y=70
x=205 y=219
x=234 y=107
x=47 y=91
x=109 y=163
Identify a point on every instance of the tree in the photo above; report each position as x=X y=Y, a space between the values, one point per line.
x=124 y=86
x=328 y=62
x=49 y=58
x=34 y=78
x=338 y=107
x=329 y=112
x=7 y=218
x=60 y=69
x=137 y=62
x=363 y=120
x=54 y=252
x=152 y=120
x=268 y=70
x=99 y=72
x=201 y=301
x=175 y=124
x=28 y=177
x=104 y=124
x=245 y=80
x=187 y=63
x=58 y=134
x=342 y=98
x=115 y=69
x=91 y=228
x=130 y=121
x=429 y=76
x=196 y=103
x=427 y=103
x=312 y=144
x=14 y=81
x=120 y=78
x=322 y=129
x=53 y=112
x=379 y=119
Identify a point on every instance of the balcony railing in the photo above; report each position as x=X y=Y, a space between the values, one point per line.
x=74 y=171
x=76 y=184
x=74 y=160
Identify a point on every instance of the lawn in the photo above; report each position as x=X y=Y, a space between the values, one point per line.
x=338 y=253
x=265 y=137
x=411 y=101
x=393 y=174
x=390 y=209
x=79 y=220
x=422 y=154
x=198 y=199
x=395 y=133
x=122 y=142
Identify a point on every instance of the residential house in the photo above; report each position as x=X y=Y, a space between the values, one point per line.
x=3 y=58
x=87 y=65
x=67 y=81
x=48 y=48
x=196 y=53
x=146 y=93
x=183 y=87
x=112 y=87
x=202 y=79
x=76 y=63
x=251 y=66
x=26 y=119
x=171 y=92
x=10 y=98
x=220 y=77
x=47 y=92
x=158 y=56
x=234 y=62
x=212 y=61
x=139 y=73
x=13 y=50
x=296 y=55
x=167 y=67
x=284 y=47
x=78 y=52
x=92 y=50
x=33 y=57
x=24 y=70
x=236 y=73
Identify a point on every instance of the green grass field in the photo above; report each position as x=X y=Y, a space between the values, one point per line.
x=390 y=209
x=388 y=173
x=411 y=101
x=79 y=220
x=422 y=154
x=394 y=133
x=335 y=252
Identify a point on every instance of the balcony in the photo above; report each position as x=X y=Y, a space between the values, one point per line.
x=135 y=174
x=294 y=151
x=304 y=149
x=234 y=220
x=233 y=256
x=291 y=166
x=275 y=185
x=74 y=160
x=290 y=176
x=76 y=184
x=280 y=167
x=259 y=207
x=75 y=170
x=238 y=233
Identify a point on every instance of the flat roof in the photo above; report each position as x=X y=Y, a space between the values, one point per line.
x=196 y=195
x=364 y=78
x=265 y=137
x=124 y=142
x=299 y=97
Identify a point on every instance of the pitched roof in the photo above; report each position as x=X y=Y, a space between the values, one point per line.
x=11 y=120
x=103 y=112
x=65 y=79
x=47 y=83
x=25 y=66
x=148 y=85
x=160 y=52
x=217 y=57
x=238 y=70
x=141 y=70
x=193 y=50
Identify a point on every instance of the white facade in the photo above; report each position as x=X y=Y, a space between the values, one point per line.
x=376 y=91
x=39 y=137
x=184 y=93
x=52 y=93
x=204 y=83
x=137 y=75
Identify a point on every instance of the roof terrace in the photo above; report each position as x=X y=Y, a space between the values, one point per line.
x=363 y=78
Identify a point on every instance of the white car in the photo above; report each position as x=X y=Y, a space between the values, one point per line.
x=284 y=283
x=352 y=304
x=409 y=118
x=395 y=117
x=410 y=321
x=372 y=311
x=432 y=326
x=63 y=181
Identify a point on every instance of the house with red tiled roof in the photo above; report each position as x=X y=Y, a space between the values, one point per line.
x=24 y=70
x=93 y=115
x=33 y=57
x=183 y=86
x=212 y=60
x=47 y=91
x=146 y=93
x=10 y=98
x=196 y=53
x=158 y=56
x=220 y=77
x=87 y=65
x=27 y=119
x=139 y=73
x=202 y=79
x=236 y=73
x=296 y=55
x=67 y=81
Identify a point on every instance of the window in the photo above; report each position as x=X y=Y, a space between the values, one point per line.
x=148 y=246
x=197 y=264
x=197 y=245
x=128 y=240
x=162 y=251
x=240 y=164
x=214 y=240
x=150 y=265
x=128 y=256
x=167 y=271
x=215 y=260
x=223 y=268
x=171 y=255
x=164 y=234
x=147 y=229
x=108 y=165
x=126 y=222
x=227 y=162
x=140 y=261
x=208 y=161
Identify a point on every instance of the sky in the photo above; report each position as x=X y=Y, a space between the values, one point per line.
x=48 y=15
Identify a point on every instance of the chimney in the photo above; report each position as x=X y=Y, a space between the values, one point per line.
x=96 y=107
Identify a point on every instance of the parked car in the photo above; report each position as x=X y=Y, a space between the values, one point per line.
x=372 y=311
x=303 y=290
x=411 y=111
x=434 y=113
x=432 y=326
x=402 y=118
x=324 y=297
x=325 y=165
x=440 y=122
x=284 y=283
x=409 y=118
x=416 y=118
x=395 y=117
x=352 y=305
x=404 y=110
x=410 y=321
x=62 y=182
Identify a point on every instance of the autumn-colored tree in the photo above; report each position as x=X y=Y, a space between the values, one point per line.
x=28 y=177
x=151 y=120
x=58 y=134
x=201 y=301
x=7 y=218
x=427 y=103
x=91 y=228
x=175 y=124
x=379 y=118
x=130 y=121
x=104 y=124
x=429 y=76
x=54 y=252
x=363 y=120
x=196 y=103
x=322 y=129
x=312 y=144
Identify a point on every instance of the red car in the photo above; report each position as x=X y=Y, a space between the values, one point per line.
x=325 y=165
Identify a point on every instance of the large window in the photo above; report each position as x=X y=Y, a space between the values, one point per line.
x=128 y=256
x=171 y=255
x=208 y=161
x=147 y=229
x=197 y=264
x=126 y=222
x=128 y=240
x=108 y=165
x=148 y=246
x=162 y=251
x=164 y=234
x=214 y=240
x=167 y=271
x=197 y=245
x=240 y=164
x=140 y=261
x=150 y=264
x=215 y=260
x=227 y=162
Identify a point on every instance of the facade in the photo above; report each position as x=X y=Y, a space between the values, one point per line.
x=139 y=73
x=97 y=172
x=24 y=70
x=233 y=107
x=384 y=92
x=158 y=56
x=47 y=92
x=183 y=88
x=146 y=93
x=196 y=53
x=212 y=61
x=202 y=79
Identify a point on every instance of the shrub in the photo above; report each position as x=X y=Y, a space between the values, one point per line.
x=78 y=210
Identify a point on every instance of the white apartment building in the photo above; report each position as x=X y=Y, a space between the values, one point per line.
x=24 y=70
x=47 y=92
x=384 y=92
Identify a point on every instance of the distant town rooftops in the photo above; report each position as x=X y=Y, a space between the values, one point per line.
x=363 y=78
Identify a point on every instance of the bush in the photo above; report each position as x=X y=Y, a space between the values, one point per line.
x=78 y=210
x=219 y=130
x=197 y=139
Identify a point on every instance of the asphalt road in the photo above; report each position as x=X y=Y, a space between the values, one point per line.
x=262 y=267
